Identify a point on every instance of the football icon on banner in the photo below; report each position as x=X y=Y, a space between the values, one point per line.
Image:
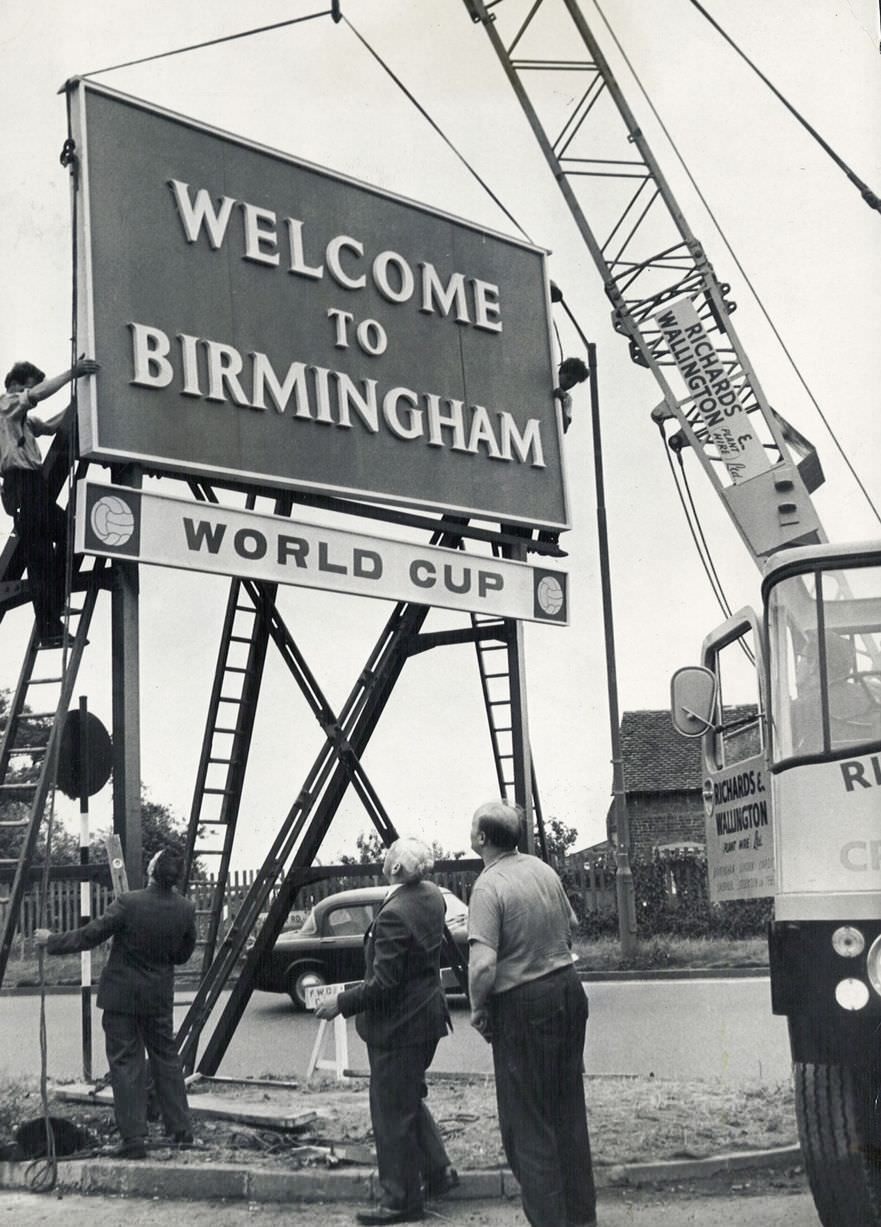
x=112 y=520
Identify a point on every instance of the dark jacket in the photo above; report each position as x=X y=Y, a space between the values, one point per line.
x=152 y=930
x=401 y=1002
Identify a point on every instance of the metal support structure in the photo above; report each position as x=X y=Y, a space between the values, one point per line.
x=125 y=650
x=644 y=250
x=85 y=890
x=226 y=742
x=296 y=844
x=623 y=872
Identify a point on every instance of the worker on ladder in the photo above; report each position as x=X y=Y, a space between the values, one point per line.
x=40 y=524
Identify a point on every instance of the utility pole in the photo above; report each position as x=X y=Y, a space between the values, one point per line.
x=623 y=873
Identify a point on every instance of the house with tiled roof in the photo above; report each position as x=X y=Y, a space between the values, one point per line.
x=663 y=781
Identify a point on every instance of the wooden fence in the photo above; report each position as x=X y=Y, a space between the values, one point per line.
x=63 y=900
x=590 y=882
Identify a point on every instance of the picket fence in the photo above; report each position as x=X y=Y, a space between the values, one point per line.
x=590 y=882
x=63 y=898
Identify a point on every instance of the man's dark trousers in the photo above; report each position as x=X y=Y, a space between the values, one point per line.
x=41 y=527
x=126 y=1036
x=538 y=1048
x=408 y=1144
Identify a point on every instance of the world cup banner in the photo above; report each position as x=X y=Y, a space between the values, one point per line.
x=267 y=321
x=118 y=522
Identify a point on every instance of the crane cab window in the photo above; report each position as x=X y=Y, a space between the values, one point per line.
x=825 y=662
x=738 y=725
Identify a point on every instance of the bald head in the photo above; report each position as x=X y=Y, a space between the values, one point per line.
x=496 y=825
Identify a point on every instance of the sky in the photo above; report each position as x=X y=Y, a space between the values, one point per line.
x=806 y=240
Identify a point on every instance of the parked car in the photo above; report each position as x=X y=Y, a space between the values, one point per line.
x=329 y=948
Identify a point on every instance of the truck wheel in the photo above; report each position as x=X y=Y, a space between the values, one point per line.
x=838 y=1128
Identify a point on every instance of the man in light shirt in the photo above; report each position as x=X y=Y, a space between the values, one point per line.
x=527 y=1001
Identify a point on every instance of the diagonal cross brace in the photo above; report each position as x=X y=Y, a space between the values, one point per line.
x=337 y=764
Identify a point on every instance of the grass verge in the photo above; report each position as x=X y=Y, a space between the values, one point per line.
x=655 y=953
x=632 y=1120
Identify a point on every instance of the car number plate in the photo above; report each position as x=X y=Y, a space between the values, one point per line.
x=317 y=994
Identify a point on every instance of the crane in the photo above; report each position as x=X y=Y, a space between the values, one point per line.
x=792 y=791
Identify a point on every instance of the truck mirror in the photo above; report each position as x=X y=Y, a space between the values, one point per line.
x=693 y=700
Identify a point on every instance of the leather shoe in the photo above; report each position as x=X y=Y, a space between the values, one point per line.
x=437 y=1184
x=388 y=1214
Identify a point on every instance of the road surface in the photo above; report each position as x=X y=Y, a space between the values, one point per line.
x=716 y=1029
x=641 y=1210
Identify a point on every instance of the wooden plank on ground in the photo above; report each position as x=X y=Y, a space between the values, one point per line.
x=218 y=1107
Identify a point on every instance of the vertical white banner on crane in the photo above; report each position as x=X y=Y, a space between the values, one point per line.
x=714 y=396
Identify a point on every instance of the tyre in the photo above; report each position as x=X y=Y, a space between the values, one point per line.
x=301 y=978
x=838 y=1129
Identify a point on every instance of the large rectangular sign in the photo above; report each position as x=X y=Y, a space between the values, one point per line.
x=740 y=834
x=718 y=401
x=115 y=521
x=266 y=320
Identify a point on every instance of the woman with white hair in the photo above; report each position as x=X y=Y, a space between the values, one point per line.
x=401 y=1013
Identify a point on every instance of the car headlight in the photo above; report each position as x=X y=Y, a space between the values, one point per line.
x=851 y=994
x=848 y=942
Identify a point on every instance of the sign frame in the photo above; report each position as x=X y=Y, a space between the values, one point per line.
x=543 y=504
x=118 y=522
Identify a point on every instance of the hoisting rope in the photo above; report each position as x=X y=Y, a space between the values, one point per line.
x=425 y=115
x=692 y=518
x=335 y=13
x=873 y=201
x=757 y=297
x=213 y=42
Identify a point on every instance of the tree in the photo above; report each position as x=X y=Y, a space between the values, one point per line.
x=24 y=770
x=160 y=827
x=559 y=839
x=371 y=851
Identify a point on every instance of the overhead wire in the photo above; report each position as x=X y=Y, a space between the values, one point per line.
x=332 y=12
x=422 y=111
x=698 y=536
x=211 y=42
x=873 y=201
x=740 y=268
x=692 y=519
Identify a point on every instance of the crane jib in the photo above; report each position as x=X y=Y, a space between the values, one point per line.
x=716 y=399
